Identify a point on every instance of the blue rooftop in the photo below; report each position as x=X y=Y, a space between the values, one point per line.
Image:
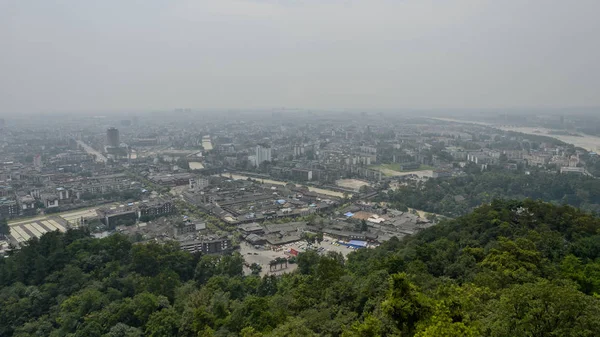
x=357 y=243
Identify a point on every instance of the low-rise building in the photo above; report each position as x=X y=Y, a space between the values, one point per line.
x=537 y=159
x=198 y=183
x=573 y=170
x=302 y=174
x=155 y=208
x=5 y=191
x=27 y=205
x=49 y=200
x=251 y=228
x=207 y=245
x=114 y=216
x=481 y=158
x=8 y=208
x=175 y=179
x=189 y=228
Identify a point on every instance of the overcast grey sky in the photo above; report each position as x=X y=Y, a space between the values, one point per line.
x=160 y=54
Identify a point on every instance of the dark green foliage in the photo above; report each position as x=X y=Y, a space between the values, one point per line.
x=458 y=196
x=543 y=309
x=4 y=229
x=509 y=268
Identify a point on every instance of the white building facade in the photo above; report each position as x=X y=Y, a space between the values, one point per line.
x=263 y=154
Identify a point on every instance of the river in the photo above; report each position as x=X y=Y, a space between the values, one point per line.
x=587 y=142
x=590 y=143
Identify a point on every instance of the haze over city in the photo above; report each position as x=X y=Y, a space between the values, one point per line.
x=299 y=168
x=76 y=56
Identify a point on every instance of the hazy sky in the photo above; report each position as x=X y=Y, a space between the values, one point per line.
x=161 y=54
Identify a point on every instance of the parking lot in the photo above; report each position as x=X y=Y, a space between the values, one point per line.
x=264 y=256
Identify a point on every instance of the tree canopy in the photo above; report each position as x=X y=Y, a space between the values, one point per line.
x=458 y=196
x=509 y=268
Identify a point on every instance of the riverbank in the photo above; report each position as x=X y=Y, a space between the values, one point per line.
x=587 y=142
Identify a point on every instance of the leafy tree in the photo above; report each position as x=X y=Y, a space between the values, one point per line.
x=512 y=262
x=163 y=323
x=123 y=330
x=509 y=268
x=254 y=312
x=586 y=275
x=363 y=226
x=455 y=312
x=250 y=332
x=232 y=265
x=404 y=304
x=364 y=189
x=76 y=307
x=543 y=309
x=458 y=196
x=292 y=328
x=206 y=268
x=182 y=163
x=255 y=268
x=370 y=327
x=308 y=237
x=329 y=269
x=4 y=229
x=307 y=261
x=319 y=237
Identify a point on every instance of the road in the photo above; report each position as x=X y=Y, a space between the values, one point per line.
x=99 y=156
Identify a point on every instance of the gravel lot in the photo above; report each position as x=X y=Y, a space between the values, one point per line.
x=264 y=256
x=354 y=184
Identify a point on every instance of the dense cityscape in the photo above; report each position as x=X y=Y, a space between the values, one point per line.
x=270 y=189
x=278 y=168
x=214 y=184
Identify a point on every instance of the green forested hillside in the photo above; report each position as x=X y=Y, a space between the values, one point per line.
x=507 y=269
x=458 y=196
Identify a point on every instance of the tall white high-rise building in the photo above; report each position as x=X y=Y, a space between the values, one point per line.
x=37 y=162
x=263 y=153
